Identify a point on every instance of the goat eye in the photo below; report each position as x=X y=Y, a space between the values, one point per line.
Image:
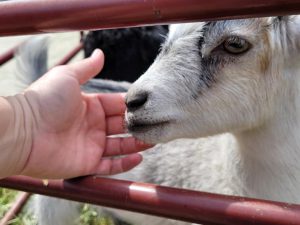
x=236 y=45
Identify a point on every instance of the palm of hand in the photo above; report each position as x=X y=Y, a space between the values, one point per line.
x=75 y=123
x=67 y=120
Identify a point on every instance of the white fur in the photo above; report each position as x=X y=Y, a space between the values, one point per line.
x=260 y=107
x=251 y=109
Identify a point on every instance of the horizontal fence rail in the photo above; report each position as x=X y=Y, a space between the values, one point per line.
x=180 y=204
x=32 y=16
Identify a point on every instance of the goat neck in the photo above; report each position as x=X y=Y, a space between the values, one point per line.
x=269 y=155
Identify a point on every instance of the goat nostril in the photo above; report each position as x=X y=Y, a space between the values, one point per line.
x=136 y=101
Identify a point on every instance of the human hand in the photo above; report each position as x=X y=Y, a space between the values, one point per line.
x=71 y=127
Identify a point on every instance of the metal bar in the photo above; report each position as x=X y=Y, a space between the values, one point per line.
x=70 y=55
x=16 y=208
x=32 y=16
x=180 y=204
x=5 y=57
x=10 y=54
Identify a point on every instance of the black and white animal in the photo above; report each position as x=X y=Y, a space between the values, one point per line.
x=235 y=86
x=128 y=52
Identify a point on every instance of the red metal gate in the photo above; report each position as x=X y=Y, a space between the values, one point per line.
x=31 y=16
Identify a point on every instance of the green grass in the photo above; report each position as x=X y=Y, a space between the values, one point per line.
x=88 y=216
x=91 y=217
x=7 y=198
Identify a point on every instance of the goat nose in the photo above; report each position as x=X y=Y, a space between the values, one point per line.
x=136 y=101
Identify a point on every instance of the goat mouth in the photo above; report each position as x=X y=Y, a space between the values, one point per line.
x=143 y=127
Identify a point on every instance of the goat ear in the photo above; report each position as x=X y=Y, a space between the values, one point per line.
x=278 y=20
x=282 y=18
x=289 y=26
x=286 y=20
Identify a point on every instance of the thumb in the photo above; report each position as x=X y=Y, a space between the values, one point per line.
x=88 y=68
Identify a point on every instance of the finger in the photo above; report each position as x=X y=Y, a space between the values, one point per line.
x=89 y=67
x=119 y=165
x=124 y=146
x=113 y=104
x=115 y=125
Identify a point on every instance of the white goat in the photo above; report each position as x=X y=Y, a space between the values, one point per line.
x=239 y=76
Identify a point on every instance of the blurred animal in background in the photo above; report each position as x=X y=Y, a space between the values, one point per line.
x=128 y=52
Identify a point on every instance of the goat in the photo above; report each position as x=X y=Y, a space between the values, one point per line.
x=128 y=51
x=234 y=85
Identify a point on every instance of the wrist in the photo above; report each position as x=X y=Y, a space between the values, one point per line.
x=18 y=138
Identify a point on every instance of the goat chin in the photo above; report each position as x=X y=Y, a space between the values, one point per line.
x=250 y=108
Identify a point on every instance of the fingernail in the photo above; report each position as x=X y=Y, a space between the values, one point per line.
x=143 y=144
x=96 y=52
